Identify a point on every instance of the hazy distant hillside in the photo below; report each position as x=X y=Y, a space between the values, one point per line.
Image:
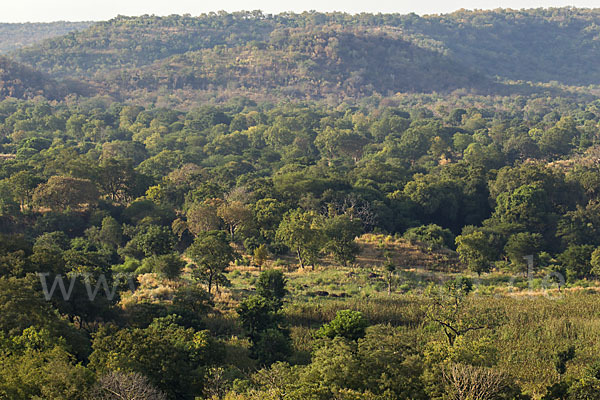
x=537 y=45
x=15 y=36
x=305 y=65
x=315 y=55
x=136 y=41
x=23 y=82
x=20 y=81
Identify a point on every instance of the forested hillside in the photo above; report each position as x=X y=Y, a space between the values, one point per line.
x=14 y=36
x=22 y=82
x=303 y=206
x=316 y=56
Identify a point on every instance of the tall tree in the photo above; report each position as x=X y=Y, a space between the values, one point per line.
x=212 y=254
x=341 y=231
x=61 y=192
x=301 y=231
x=235 y=215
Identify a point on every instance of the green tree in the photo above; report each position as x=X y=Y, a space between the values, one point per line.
x=260 y=255
x=167 y=265
x=24 y=184
x=36 y=365
x=61 y=192
x=273 y=345
x=595 y=262
x=301 y=232
x=340 y=232
x=475 y=250
x=271 y=285
x=268 y=213
x=521 y=245
x=257 y=314
x=576 y=259
x=261 y=320
x=432 y=235
x=212 y=254
x=8 y=205
x=150 y=240
x=119 y=181
x=557 y=140
x=527 y=206
x=335 y=142
x=192 y=300
x=170 y=355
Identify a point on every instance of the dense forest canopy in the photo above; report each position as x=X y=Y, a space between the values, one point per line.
x=303 y=206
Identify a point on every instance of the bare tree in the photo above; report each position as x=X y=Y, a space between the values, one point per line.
x=475 y=383
x=215 y=386
x=125 y=386
x=354 y=207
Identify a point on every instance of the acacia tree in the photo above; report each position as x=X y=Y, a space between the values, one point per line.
x=301 y=231
x=235 y=215
x=118 y=180
x=61 y=192
x=202 y=217
x=212 y=254
x=450 y=308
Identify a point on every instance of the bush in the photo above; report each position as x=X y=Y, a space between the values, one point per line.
x=272 y=345
x=271 y=285
x=347 y=323
x=167 y=266
x=432 y=235
x=129 y=266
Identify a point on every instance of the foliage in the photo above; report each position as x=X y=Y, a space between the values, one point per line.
x=168 y=354
x=167 y=265
x=301 y=232
x=180 y=143
x=434 y=236
x=347 y=324
x=211 y=253
x=271 y=285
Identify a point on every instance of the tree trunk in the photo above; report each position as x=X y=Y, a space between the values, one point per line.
x=299 y=258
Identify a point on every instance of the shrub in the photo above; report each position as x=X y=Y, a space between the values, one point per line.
x=432 y=235
x=347 y=323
